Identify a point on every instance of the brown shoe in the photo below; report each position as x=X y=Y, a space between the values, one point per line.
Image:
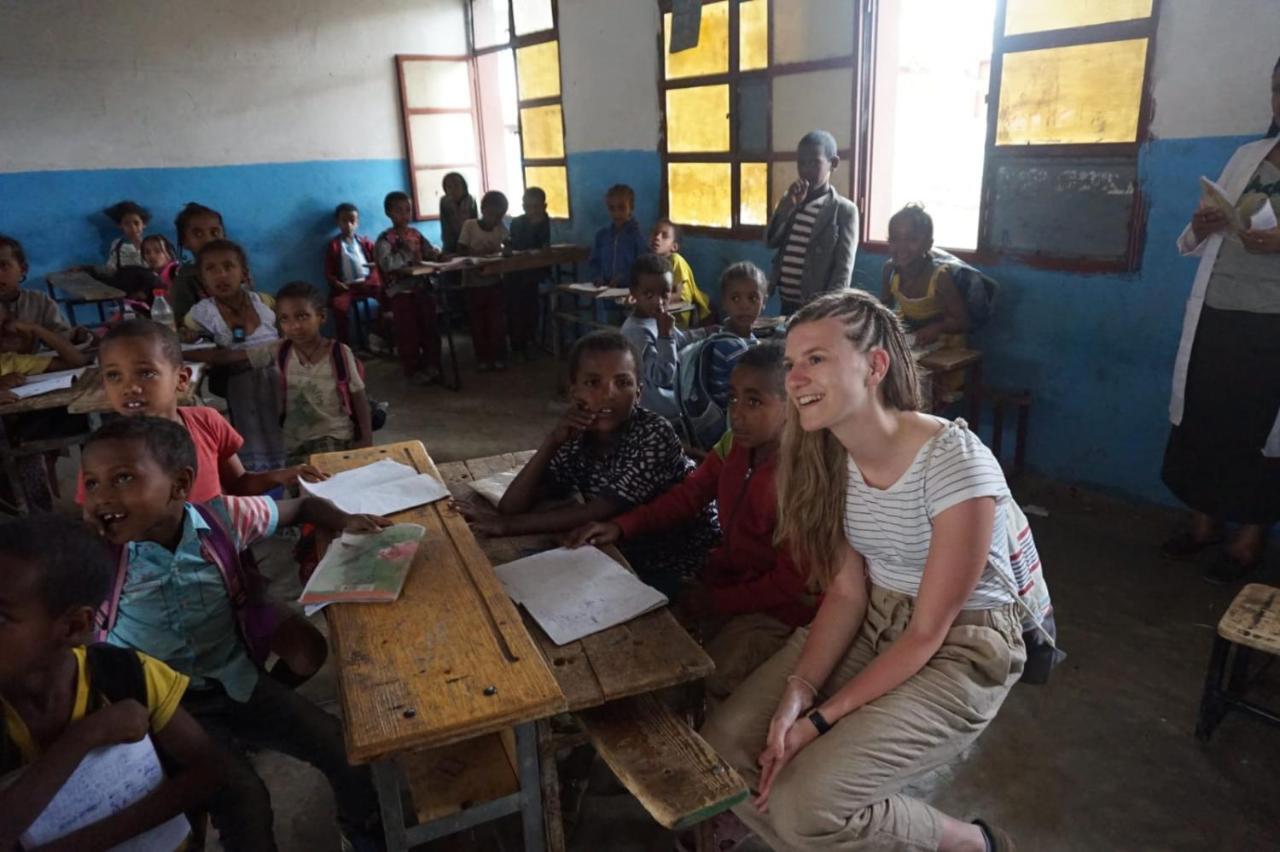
x=997 y=840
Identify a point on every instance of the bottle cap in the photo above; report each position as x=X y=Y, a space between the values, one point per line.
x=159 y=291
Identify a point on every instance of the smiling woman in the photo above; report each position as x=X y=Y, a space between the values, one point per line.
x=896 y=676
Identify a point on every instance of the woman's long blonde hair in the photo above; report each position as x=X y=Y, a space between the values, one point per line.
x=813 y=466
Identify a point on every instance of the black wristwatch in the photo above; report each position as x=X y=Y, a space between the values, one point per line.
x=820 y=722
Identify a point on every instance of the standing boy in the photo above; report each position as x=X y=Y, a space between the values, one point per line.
x=413 y=305
x=618 y=244
x=349 y=268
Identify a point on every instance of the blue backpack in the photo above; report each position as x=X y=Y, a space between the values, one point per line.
x=702 y=418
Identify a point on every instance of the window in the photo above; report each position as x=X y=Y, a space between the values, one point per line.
x=728 y=155
x=495 y=116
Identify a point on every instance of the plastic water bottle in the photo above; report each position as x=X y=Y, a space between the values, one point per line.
x=161 y=312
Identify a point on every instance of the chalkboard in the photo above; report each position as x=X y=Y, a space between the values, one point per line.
x=1063 y=208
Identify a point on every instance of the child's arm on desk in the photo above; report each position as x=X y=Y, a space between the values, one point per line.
x=322 y=513
x=68 y=355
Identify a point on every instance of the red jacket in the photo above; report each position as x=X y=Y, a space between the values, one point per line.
x=333 y=264
x=745 y=572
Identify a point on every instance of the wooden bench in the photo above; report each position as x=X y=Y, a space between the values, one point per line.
x=1251 y=623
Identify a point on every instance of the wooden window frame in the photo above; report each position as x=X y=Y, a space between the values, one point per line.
x=515 y=42
x=732 y=155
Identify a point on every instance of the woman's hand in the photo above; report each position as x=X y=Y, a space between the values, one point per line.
x=781 y=745
x=598 y=534
x=1262 y=242
x=1206 y=222
x=574 y=422
x=365 y=524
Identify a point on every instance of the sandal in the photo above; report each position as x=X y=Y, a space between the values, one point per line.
x=1183 y=544
x=997 y=840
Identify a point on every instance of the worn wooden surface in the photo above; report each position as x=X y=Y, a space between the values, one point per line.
x=516 y=262
x=1253 y=619
x=91 y=397
x=451 y=659
x=81 y=286
x=445 y=780
x=648 y=653
x=671 y=770
x=949 y=360
x=55 y=399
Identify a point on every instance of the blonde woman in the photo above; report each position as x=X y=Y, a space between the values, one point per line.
x=900 y=519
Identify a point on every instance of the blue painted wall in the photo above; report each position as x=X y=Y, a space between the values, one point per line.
x=1097 y=350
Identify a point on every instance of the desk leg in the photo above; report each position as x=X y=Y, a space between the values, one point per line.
x=973 y=386
x=530 y=785
x=386 y=781
x=550 y=788
x=552 y=309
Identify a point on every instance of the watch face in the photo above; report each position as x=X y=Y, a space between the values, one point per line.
x=237 y=334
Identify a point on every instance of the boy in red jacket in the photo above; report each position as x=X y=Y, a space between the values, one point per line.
x=349 y=268
x=749 y=590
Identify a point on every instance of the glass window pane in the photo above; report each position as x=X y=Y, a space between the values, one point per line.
x=700 y=194
x=753 y=34
x=698 y=119
x=554 y=181
x=543 y=129
x=427 y=183
x=499 y=123
x=753 y=194
x=539 y=70
x=1033 y=16
x=813 y=29
x=437 y=83
x=490 y=24
x=751 y=112
x=711 y=56
x=782 y=175
x=1085 y=93
x=532 y=16
x=443 y=138
x=816 y=99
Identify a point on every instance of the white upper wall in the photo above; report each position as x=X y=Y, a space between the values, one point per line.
x=136 y=83
x=1213 y=67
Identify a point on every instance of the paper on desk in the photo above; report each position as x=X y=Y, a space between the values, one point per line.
x=364 y=568
x=574 y=593
x=378 y=489
x=615 y=293
x=585 y=287
x=47 y=383
x=106 y=782
x=199 y=344
x=493 y=487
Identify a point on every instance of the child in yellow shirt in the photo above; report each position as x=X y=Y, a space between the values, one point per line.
x=664 y=241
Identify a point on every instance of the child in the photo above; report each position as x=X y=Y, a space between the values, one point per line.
x=814 y=229
x=457 y=207
x=664 y=241
x=529 y=232
x=481 y=237
x=27 y=305
x=236 y=318
x=652 y=332
x=143 y=375
x=920 y=286
x=173 y=605
x=413 y=306
x=617 y=455
x=349 y=268
x=160 y=257
x=752 y=590
x=131 y=218
x=196 y=225
x=16 y=365
x=60 y=700
x=320 y=415
x=618 y=244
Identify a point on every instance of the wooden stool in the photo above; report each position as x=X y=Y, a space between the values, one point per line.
x=1252 y=623
x=1021 y=401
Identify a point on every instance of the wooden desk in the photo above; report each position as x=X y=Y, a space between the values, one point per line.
x=81 y=288
x=450 y=660
x=501 y=264
x=559 y=318
x=942 y=362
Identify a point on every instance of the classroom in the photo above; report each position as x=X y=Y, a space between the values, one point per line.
x=594 y=425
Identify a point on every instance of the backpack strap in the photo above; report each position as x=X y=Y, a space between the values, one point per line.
x=341 y=376
x=219 y=546
x=105 y=618
x=115 y=674
x=282 y=363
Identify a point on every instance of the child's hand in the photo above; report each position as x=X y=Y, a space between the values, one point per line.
x=798 y=191
x=482 y=518
x=12 y=380
x=122 y=722
x=365 y=524
x=575 y=421
x=8 y=396
x=307 y=473
x=666 y=322
x=597 y=534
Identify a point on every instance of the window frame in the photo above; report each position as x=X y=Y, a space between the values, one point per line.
x=733 y=156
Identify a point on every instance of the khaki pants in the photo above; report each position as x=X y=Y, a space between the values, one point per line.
x=739 y=648
x=842 y=791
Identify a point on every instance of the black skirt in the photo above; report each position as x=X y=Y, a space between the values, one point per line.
x=1213 y=461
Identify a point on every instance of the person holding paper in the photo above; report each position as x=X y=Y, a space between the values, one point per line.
x=16 y=366
x=1221 y=456
x=59 y=700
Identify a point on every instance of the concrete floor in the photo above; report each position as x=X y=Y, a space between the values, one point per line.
x=1103 y=758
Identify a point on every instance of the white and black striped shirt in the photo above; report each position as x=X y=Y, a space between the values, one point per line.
x=892 y=527
x=797 y=246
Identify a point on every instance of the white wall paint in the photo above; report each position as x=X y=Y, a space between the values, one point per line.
x=1213 y=67
x=135 y=83
x=609 y=69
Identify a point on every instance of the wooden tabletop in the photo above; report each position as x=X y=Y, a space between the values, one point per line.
x=85 y=384
x=515 y=262
x=448 y=661
x=946 y=360
x=83 y=286
x=645 y=654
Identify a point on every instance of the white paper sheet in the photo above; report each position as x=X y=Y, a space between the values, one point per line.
x=585 y=287
x=615 y=293
x=47 y=383
x=1265 y=218
x=493 y=487
x=378 y=489
x=106 y=782
x=574 y=593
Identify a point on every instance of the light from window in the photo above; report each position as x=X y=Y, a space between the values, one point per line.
x=812 y=99
x=814 y=29
x=489 y=23
x=711 y=56
x=1033 y=16
x=554 y=181
x=500 y=123
x=539 y=66
x=543 y=132
x=700 y=194
x=753 y=194
x=929 y=124
x=753 y=35
x=698 y=119
x=532 y=16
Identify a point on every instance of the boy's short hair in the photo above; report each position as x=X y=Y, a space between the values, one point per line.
x=224 y=245
x=189 y=212
x=301 y=290
x=393 y=198
x=15 y=248
x=76 y=567
x=537 y=192
x=167 y=442
x=667 y=223
x=745 y=270
x=820 y=139
x=649 y=264
x=769 y=359
x=145 y=329
x=916 y=217
x=621 y=190
x=345 y=207
x=597 y=342
x=494 y=197
x=116 y=212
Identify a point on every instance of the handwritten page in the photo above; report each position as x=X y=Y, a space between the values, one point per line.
x=574 y=593
x=364 y=568
x=106 y=782
x=493 y=487
x=47 y=383
x=378 y=489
